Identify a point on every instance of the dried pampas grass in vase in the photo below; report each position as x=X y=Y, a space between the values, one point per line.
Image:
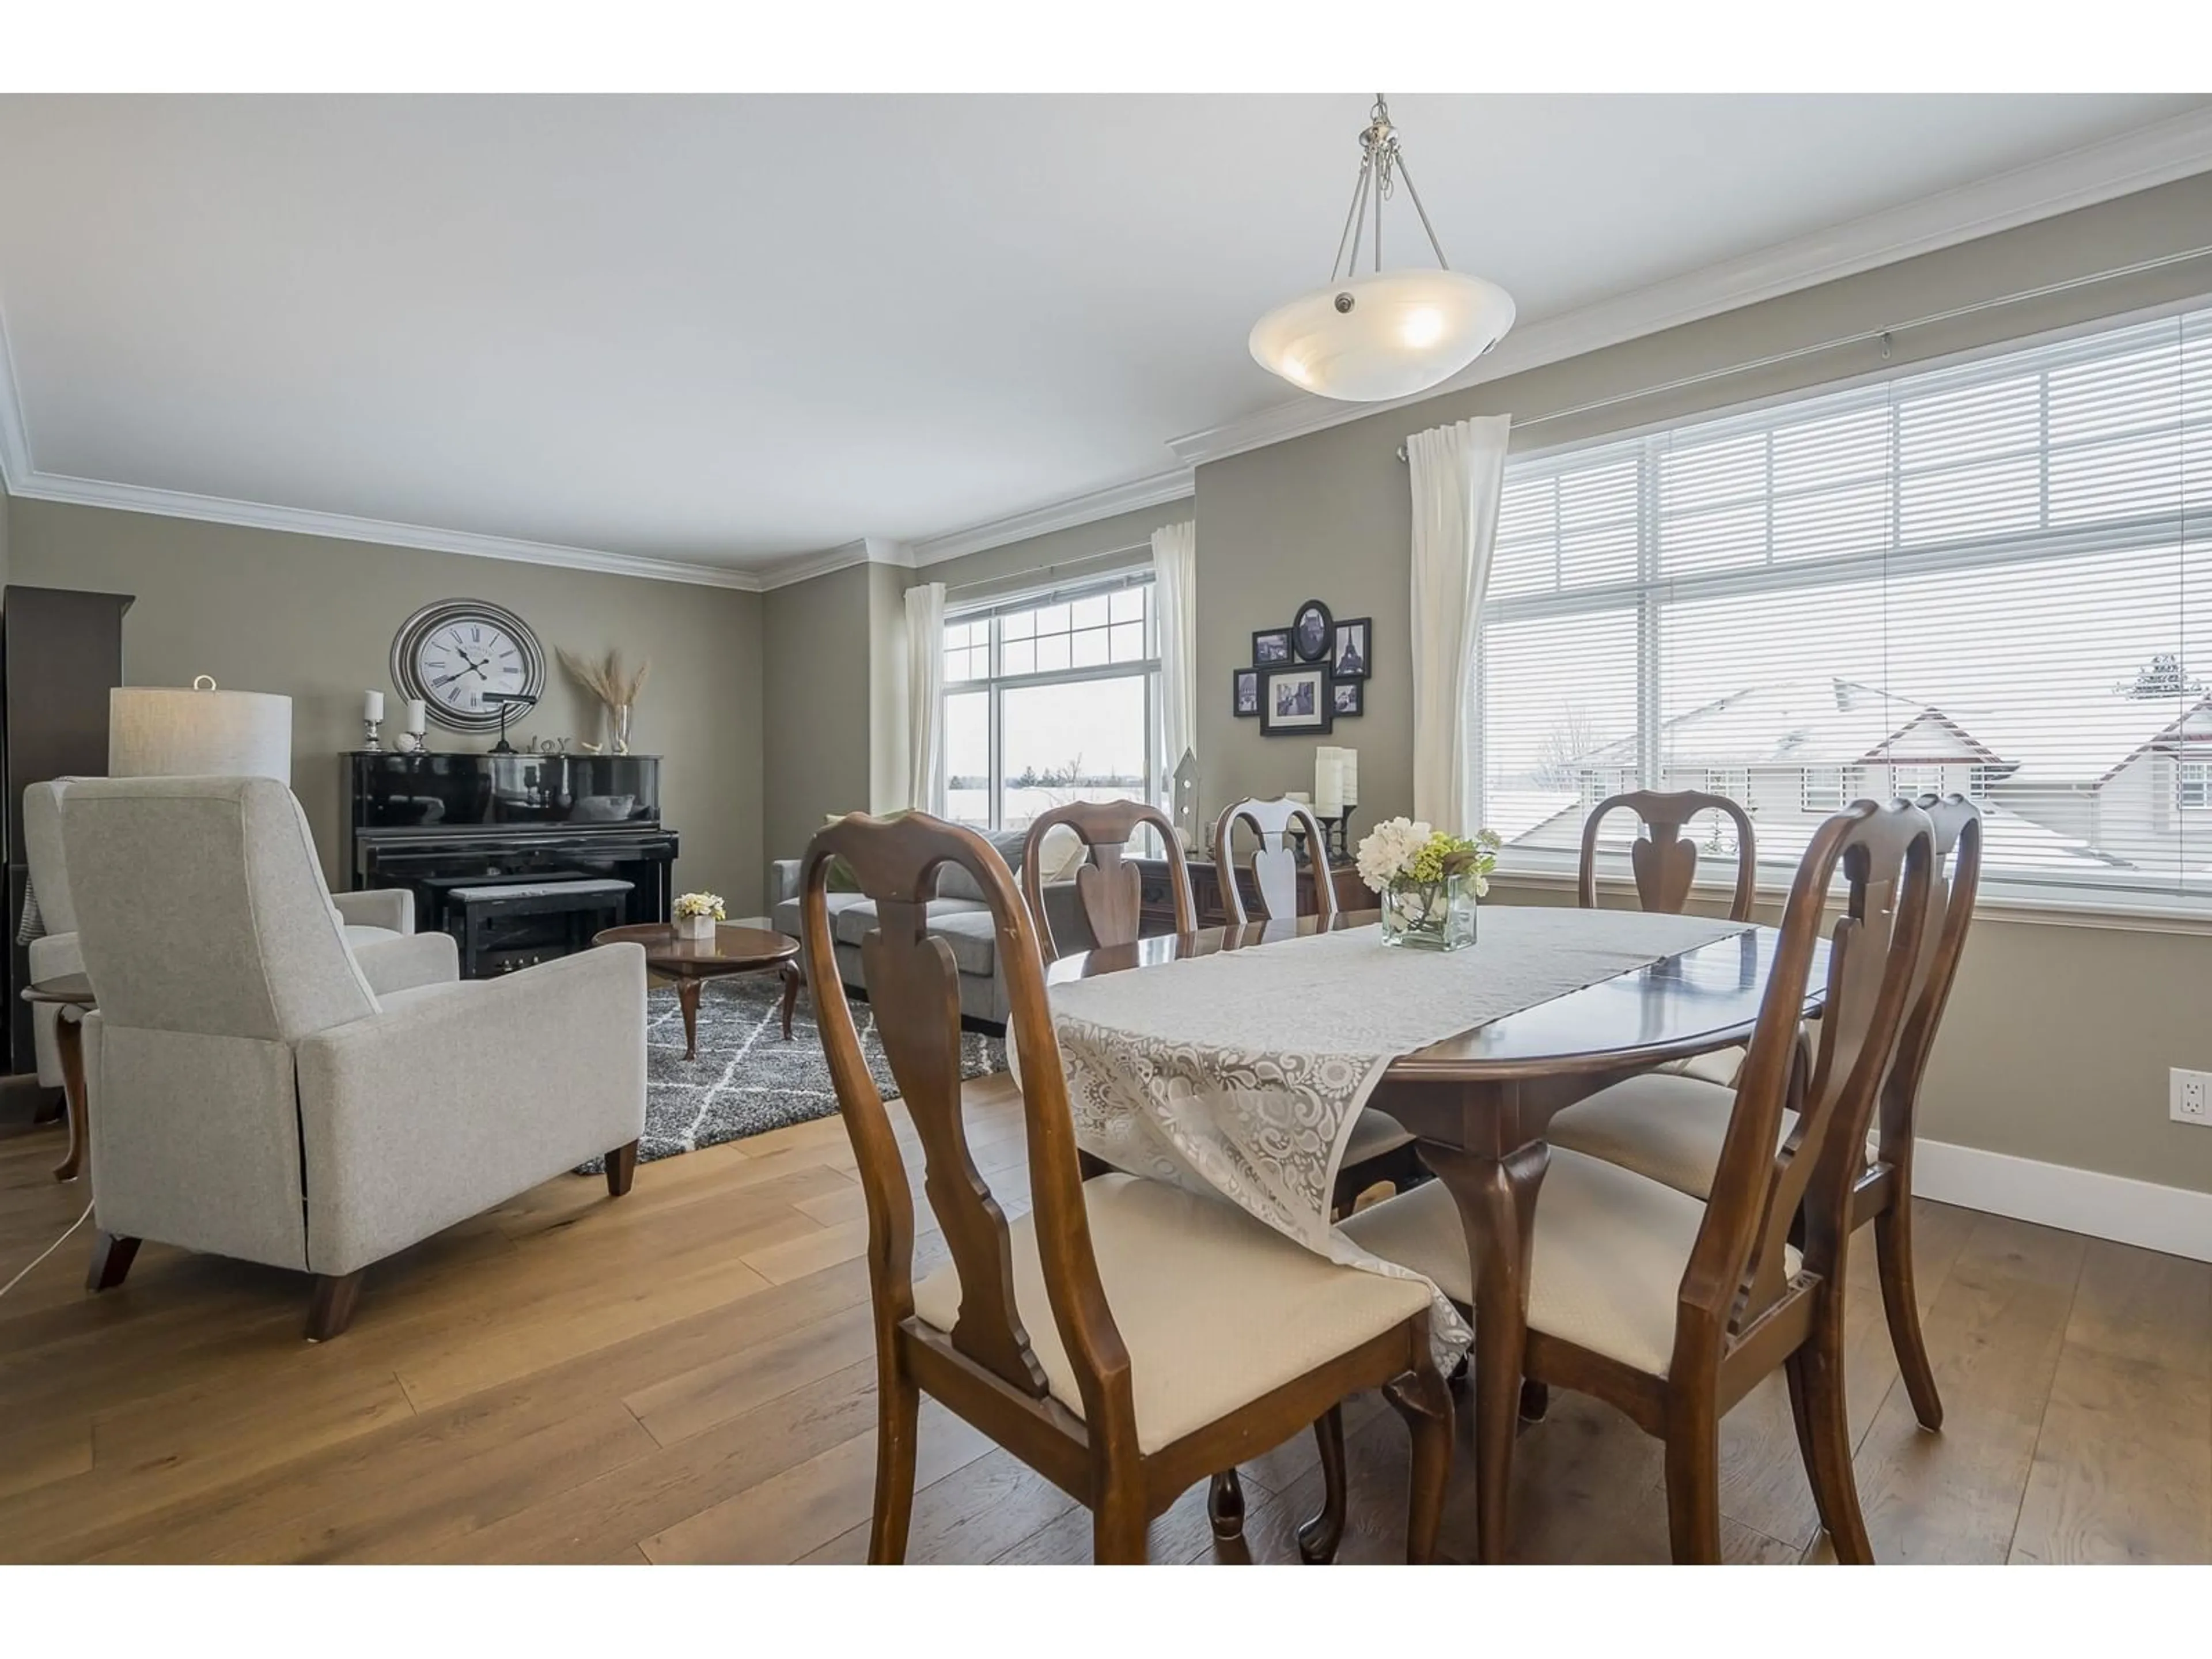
x=607 y=682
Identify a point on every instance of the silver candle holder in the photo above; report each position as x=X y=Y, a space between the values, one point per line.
x=369 y=741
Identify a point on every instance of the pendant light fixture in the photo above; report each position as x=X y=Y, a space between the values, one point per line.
x=1391 y=333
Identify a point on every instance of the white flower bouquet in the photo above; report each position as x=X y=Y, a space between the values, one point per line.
x=1428 y=881
x=697 y=913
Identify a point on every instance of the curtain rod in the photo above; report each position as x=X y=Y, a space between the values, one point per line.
x=1044 y=576
x=1865 y=337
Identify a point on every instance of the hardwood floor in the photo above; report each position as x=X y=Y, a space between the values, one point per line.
x=685 y=1375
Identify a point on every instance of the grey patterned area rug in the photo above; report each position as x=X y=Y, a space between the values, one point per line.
x=747 y=1079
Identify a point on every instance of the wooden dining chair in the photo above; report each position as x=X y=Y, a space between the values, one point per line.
x=1670 y=1309
x=1109 y=893
x=1672 y=1128
x=1665 y=866
x=1380 y=1149
x=1124 y=1339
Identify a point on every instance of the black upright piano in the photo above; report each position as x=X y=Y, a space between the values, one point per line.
x=489 y=845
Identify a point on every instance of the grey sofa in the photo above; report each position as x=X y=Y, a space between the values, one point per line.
x=958 y=915
x=256 y=1091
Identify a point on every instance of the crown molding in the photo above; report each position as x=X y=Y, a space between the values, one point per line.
x=257 y=515
x=804 y=566
x=14 y=437
x=2152 y=155
x=1156 y=491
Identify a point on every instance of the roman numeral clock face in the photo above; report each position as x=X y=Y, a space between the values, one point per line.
x=455 y=655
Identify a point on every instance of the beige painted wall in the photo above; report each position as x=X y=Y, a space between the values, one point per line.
x=816 y=658
x=314 y=618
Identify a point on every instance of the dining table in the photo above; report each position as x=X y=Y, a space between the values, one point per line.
x=1589 y=998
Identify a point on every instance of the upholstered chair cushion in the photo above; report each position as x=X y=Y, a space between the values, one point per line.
x=219 y=872
x=1610 y=1249
x=1720 y=1067
x=1216 y=1309
x=1373 y=1134
x=1665 y=1128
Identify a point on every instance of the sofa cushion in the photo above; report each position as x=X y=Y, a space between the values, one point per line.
x=962 y=923
x=955 y=883
x=786 y=918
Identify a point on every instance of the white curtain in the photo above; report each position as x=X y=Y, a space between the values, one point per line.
x=1175 y=594
x=1458 y=473
x=925 y=695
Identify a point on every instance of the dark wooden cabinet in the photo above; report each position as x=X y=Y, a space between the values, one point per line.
x=61 y=653
x=1157 y=911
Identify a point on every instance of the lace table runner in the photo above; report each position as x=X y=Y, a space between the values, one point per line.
x=1242 y=1073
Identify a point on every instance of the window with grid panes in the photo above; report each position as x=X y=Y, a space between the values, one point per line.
x=1056 y=700
x=2002 y=565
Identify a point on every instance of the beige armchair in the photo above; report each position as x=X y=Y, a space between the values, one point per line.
x=373 y=923
x=254 y=1094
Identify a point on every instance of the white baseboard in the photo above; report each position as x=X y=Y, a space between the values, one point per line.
x=2168 y=1218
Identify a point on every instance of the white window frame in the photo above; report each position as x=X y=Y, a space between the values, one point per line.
x=995 y=684
x=2192 y=785
x=1650 y=590
x=1828 y=799
x=1912 y=780
x=1732 y=782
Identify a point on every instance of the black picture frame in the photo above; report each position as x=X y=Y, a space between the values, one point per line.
x=1244 y=693
x=1299 y=723
x=1312 y=632
x=1347 y=699
x=1271 y=645
x=1354 y=633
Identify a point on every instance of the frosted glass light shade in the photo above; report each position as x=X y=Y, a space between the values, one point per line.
x=168 y=732
x=1402 y=332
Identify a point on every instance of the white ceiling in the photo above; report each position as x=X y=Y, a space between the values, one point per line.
x=725 y=330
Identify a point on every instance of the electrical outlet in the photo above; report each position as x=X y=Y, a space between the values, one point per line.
x=2190 y=1097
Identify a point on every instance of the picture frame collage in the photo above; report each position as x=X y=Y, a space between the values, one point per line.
x=1305 y=677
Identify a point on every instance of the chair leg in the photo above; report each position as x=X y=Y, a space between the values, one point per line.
x=1318 y=1538
x=1421 y=1398
x=1118 y=1527
x=1900 y=1303
x=112 y=1257
x=1693 y=1491
x=1225 y=1505
x=1816 y=1391
x=622 y=1169
x=330 y=1309
x=897 y=1426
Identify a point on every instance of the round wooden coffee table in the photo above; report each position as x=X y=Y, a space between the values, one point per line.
x=692 y=962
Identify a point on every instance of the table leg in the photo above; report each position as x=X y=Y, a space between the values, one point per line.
x=792 y=979
x=1497 y=1198
x=687 y=998
x=68 y=1041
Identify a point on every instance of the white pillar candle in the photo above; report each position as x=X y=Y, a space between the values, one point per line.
x=371 y=705
x=1347 y=771
x=418 y=715
x=1329 y=794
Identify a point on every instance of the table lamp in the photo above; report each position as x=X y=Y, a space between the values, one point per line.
x=165 y=732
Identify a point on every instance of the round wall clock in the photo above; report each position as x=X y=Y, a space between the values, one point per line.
x=455 y=654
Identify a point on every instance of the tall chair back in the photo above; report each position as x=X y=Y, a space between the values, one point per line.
x=1108 y=892
x=914 y=991
x=1737 y=1271
x=1664 y=864
x=1273 y=866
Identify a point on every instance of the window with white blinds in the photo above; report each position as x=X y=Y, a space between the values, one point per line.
x=1994 y=579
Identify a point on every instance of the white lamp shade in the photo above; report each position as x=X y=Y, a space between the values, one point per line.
x=1402 y=332
x=166 y=731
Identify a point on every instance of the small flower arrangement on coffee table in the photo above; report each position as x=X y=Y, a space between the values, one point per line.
x=697 y=914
